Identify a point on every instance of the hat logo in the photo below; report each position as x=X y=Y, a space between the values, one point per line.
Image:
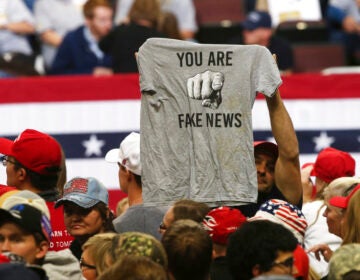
x=78 y=185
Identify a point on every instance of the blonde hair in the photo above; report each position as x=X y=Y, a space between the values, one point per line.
x=148 y=10
x=132 y=267
x=351 y=227
x=121 y=206
x=99 y=247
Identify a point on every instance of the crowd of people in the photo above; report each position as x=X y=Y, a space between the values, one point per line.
x=303 y=225
x=100 y=37
x=54 y=228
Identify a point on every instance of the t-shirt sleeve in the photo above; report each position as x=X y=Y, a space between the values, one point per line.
x=146 y=67
x=266 y=76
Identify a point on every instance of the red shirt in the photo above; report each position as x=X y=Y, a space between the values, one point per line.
x=60 y=238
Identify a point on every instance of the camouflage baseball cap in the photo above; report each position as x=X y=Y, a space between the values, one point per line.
x=139 y=244
x=344 y=260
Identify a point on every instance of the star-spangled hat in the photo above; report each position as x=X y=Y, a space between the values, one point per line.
x=282 y=212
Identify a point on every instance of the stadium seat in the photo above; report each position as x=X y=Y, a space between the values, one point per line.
x=317 y=56
x=303 y=31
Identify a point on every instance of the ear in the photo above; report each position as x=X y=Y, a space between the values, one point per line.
x=256 y=270
x=21 y=174
x=42 y=249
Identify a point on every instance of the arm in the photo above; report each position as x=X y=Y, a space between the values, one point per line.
x=22 y=27
x=287 y=167
x=51 y=38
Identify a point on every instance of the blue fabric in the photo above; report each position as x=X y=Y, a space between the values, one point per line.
x=335 y=14
x=75 y=56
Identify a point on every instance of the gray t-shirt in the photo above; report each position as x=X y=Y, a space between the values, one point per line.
x=142 y=219
x=196 y=126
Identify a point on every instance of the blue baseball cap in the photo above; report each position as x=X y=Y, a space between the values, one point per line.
x=85 y=192
x=257 y=19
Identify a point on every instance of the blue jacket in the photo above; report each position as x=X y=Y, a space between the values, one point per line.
x=75 y=57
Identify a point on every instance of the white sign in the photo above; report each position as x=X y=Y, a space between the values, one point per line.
x=289 y=10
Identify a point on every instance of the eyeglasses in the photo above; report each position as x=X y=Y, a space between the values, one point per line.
x=5 y=160
x=162 y=226
x=84 y=264
x=289 y=262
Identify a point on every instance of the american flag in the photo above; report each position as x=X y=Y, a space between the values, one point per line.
x=90 y=116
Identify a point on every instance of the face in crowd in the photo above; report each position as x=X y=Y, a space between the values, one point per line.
x=81 y=222
x=14 y=239
x=265 y=166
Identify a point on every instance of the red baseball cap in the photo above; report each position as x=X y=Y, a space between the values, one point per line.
x=301 y=262
x=343 y=201
x=221 y=222
x=34 y=150
x=267 y=148
x=331 y=164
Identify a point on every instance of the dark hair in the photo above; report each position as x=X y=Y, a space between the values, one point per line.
x=107 y=216
x=351 y=275
x=189 y=250
x=257 y=243
x=190 y=209
x=39 y=181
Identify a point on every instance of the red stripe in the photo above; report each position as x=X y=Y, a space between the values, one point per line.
x=294 y=223
x=69 y=88
x=121 y=87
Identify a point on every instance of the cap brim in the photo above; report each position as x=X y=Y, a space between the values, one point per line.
x=6 y=216
x=6 y=146
x=112 y=156
x=338 y=201
x=247 y=25
x=81 y=201
x=267 y=147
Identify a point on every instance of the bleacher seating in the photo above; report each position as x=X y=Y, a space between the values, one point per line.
x=301 y=31
x=315 y=57
x=218 y=20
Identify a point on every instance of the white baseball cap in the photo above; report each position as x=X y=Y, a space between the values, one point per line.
x=128 y=154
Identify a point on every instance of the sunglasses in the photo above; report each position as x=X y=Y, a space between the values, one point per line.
x=84 y=264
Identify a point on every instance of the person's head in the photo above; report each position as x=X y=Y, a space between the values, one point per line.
x=127 y=156
x=334 y=215
x=25 y=228
x=145 y=10
x=350 y=224
x=260 y=247
x=345 y=263
x=98 y=17
x=184 y=209
x=284 y=213
x=94 y=259
x=266 y=154
x=32 y=161
x=168 y=25
x=138 y=244
x=257 y=28
x=131 y=267
x=220 y=223
x=86 y=210
x=189 y=250
x=329 y=165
